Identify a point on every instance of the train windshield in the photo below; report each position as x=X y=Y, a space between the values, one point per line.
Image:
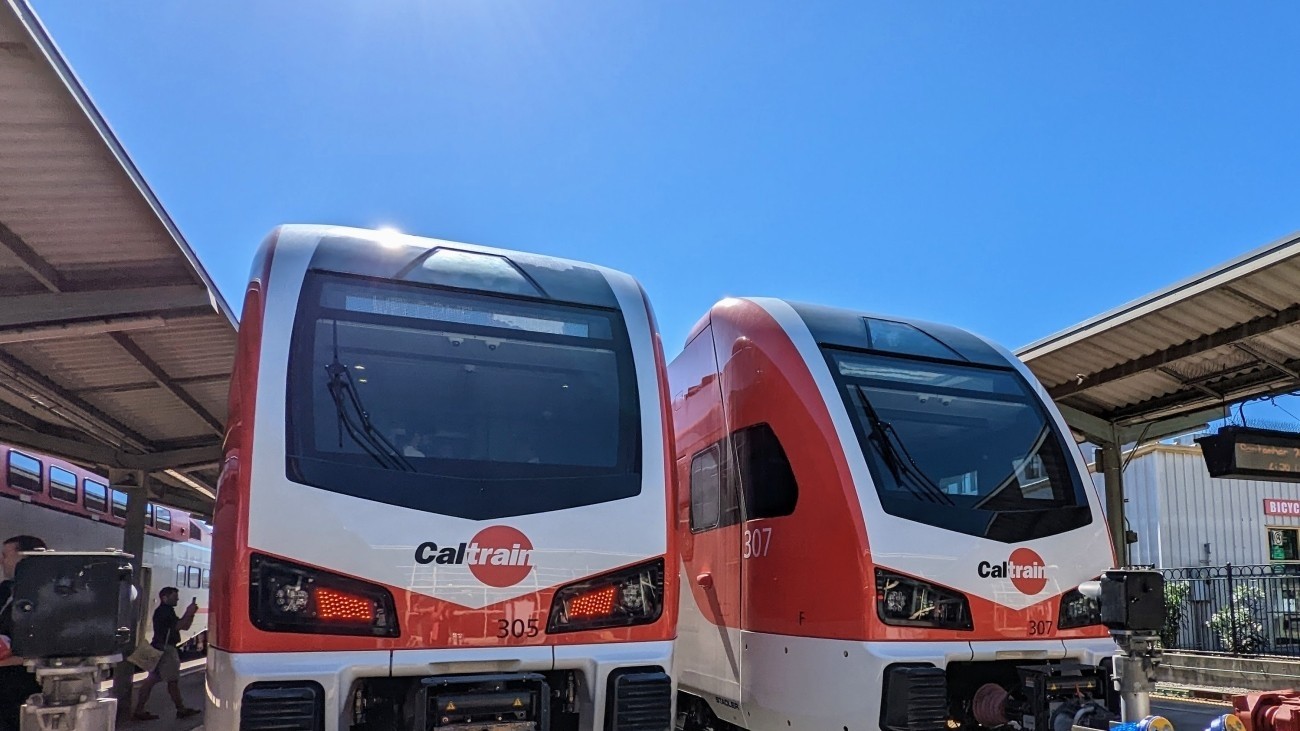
x=459 y=403
x=964 y=448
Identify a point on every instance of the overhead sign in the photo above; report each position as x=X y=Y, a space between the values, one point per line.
x=1282 y=507
x=1252 y=454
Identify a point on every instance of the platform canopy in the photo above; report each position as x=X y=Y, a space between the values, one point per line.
x=1178 y=358
x=115 y=346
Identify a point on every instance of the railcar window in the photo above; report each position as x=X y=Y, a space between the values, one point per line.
x=63 y=485
x=162 y=519
x=24 y=472
x=181 y=576
x=965 y=448
x=119 y=504
x=196 y=533
x=766 y=478
x=96 y=496
x=149 y=515
x=706 y=481
x=207 y=577
x=714 y=499
x=195 y=578
x=462 y=404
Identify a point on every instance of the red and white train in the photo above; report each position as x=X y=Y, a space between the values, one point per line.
x=73 y=509
x=475 y=448
x=882 y=524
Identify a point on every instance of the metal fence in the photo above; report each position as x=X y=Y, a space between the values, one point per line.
x=1242 y=610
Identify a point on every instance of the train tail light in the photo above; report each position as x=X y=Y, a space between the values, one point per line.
x=903 y=601
x=286 y=597
x=622 y=598
x=1077 y=611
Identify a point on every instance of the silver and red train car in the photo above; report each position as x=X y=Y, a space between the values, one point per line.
x=474 y=447
x=882 y=524
x=75 y=509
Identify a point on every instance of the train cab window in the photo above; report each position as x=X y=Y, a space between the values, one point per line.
x=148 y=515
x=162 y=519
x=63 y=485
x=965 y=448
x=24 y=472
x=96 y=496
x=119 y=504
x=478 y=406
x=195 y=578
x=713 y=493
x=766 y=478
x=181 y=576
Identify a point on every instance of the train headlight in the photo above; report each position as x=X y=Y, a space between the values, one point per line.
x=1077 y=611
x=285 y=597
x=620 y=599
x=902 y=601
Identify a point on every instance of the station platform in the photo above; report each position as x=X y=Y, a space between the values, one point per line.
x=192 y=691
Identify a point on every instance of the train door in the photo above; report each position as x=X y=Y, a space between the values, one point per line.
x=709 y=521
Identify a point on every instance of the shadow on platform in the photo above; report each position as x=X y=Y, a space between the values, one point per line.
x=160 y=703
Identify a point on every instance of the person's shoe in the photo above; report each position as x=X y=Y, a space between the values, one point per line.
x=144 y=716
x=187 y=712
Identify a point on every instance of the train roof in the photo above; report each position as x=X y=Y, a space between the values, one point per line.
x=397 y=256
x=842 y=327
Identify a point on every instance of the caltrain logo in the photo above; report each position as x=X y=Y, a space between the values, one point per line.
x=1026 y=569
x=498 y=556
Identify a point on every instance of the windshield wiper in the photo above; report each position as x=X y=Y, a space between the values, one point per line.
x=898 y=459
x=356 y=421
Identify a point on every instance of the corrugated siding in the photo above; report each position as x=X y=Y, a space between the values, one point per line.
x=1195 y=509
x=1142 y=491
x=1177 y=508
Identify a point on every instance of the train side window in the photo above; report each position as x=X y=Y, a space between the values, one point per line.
x=195 y=578
x=96 y=496
x=706 y=481
x=207 y=577
x=196 y=533
x=181 y=575
x=148 y=515
x=119 y=504
x=24 y=472
x=63 y=485
x=162 y=519
x=766 y=478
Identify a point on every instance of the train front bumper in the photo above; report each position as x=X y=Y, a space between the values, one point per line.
x=327 y=680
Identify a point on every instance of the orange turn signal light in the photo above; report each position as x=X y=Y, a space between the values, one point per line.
x=595 y=603
x=340 y=606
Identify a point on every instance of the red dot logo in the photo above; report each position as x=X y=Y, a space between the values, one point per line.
x=1028 y=572
x=500 y=556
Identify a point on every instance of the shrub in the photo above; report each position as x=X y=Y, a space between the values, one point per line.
x=1240 y=626
x=1176 y=593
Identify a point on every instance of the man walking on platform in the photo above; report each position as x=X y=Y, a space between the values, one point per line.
x=166 y=634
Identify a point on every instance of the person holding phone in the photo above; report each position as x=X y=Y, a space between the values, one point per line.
x=167 y=628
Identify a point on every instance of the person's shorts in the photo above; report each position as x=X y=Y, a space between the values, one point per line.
x=169 y=665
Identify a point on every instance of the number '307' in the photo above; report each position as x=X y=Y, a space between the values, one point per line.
x=758 y=541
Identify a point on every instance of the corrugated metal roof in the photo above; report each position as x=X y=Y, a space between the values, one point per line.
x=1221 y=337
x=140 y=367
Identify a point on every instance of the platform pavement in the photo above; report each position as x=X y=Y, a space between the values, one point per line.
x=1188 y=715
x=192 y=691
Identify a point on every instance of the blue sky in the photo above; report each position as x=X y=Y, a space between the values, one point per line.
x=1011 y=168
